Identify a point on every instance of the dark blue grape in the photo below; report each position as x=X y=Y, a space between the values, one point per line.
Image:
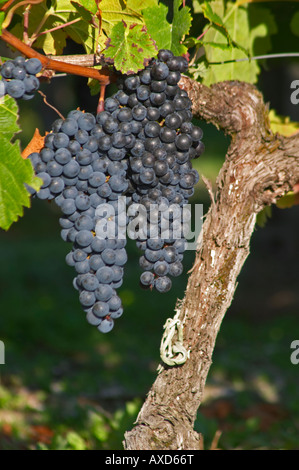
x=105 y=275
x=33 y=66
x=15 y=88
x=86 y=121
x=106 y=325
x=7 y=69
x=19 y=73
x=87 y=298
x=57 y=185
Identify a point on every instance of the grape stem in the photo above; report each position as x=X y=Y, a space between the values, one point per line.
x=36 y=35
x=101 y=102
x=50 y=105
x=10 y=14
x=104 y=76
x=86 y=60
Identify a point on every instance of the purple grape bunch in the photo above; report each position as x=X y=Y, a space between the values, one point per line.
x=138 y=151
x=19 y=78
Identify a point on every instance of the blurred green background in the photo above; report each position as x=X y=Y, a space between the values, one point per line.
x=67 y=386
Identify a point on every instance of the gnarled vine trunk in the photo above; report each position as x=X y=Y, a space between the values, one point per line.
x=259 y=168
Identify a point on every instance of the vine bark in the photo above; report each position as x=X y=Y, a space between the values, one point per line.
x=259 y=168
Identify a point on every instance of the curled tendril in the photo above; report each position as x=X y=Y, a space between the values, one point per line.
x=11 y=12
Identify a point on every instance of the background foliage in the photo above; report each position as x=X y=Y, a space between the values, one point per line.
x=64 y=386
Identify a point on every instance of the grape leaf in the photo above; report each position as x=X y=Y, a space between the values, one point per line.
x=59 y=13
x=215 y=20
x=15 y=172
x=217 y=23
x=114 y=11
x=245 y=25
x=191 y=42
x=168 y=35
x=199 y=70
x=181 y=24
x=89 y=5
x=130 y=47
x=290 y=199
x=139 y=5
x=158 y=26
x=263 y=216
x=2 y=15
x=294 y=25
x=8 y=117
x=282 y=124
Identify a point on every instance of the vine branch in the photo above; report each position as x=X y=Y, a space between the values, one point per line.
x=104 y=76
x=260 y=167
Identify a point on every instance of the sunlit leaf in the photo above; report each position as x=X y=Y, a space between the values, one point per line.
x=244 y=31
x=15 y=172
x=130 y=47
x=168 y=35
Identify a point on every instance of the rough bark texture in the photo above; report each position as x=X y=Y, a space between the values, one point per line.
x=259 y=168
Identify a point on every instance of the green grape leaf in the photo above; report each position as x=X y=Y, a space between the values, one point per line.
x=15 y=172
x=249 y=28
x=199 y=70
x=289 y=200
x=114 y=11
x=282 y=124
x=168 y=35
x=89 y=5
x=215 y=19
x=2 y=16
x=191 y=42
x=139 y=5
x=263 y=216
x=8 y=117
x=130 y=47
x=158 y=26
x=294 y=24
x=217 y=24
x=59 y=13
x=181 y=25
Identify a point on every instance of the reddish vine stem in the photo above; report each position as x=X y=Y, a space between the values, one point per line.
x=60 y=26
x=26 y=25
x=104 y=76
x=50 y=105
x=101 y=102
x=6 y=5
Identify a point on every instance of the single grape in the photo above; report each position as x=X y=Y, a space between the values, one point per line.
x=106 y=325
x=15 y=88
x=163 y=284
x=33 y=66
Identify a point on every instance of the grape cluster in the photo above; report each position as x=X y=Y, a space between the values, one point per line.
x=19 y=78
x=158 y=112
x=137 y=151
x=81 y=175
